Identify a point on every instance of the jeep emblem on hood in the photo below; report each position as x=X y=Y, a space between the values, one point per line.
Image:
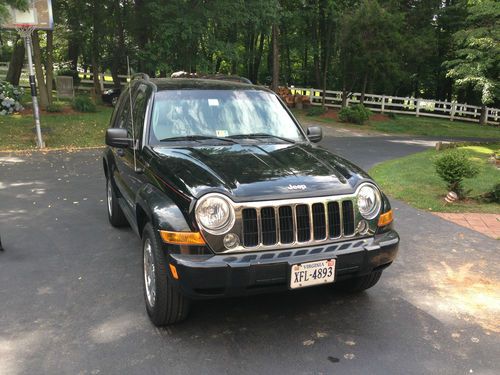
x=297 y=187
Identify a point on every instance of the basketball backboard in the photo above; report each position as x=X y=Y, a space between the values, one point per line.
x=38 y=16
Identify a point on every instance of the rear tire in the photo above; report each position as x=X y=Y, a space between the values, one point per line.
x=115 y=214
x=358 y=284
x=165 y=303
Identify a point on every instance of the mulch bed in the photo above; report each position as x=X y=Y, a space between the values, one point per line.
x=334 y=115
x=64 y=111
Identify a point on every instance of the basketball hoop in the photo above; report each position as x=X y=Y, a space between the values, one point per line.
x=38 y=16
x=25 y=29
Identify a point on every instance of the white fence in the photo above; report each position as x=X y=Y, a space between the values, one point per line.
x=86 y=82
x=395 y=104
x=376 y=103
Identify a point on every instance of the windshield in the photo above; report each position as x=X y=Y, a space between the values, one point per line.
x=221 y=114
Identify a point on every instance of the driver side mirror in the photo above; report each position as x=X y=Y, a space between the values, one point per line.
x=315 y=133
x=118 y=137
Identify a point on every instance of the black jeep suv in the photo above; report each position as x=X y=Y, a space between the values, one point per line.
x=231 y=197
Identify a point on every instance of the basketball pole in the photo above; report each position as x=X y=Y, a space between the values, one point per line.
x=36 y=109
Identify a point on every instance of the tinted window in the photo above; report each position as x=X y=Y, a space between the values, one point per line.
x=122 y=111
x=220 y=113
x=139 y=112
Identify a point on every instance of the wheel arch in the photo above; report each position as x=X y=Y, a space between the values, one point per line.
x=154 y=206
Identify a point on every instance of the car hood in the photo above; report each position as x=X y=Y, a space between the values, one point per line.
x=256 y=171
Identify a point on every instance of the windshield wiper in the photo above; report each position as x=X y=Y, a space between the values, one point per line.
x=196 y=138
x=262 y=135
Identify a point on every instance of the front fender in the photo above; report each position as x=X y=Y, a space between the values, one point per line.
x=160 y=210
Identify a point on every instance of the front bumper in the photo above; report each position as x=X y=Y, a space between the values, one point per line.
x=225 y=275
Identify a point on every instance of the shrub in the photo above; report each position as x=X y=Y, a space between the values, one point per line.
x=316 y=111
x=54 y=108
x=70 y=73
x=357 y=114
x=83 y=104
x=493 y=196
x=453 y=166
x=10 y=98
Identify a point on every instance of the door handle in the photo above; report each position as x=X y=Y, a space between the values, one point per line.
x=120 y=152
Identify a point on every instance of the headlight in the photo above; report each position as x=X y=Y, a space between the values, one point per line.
x=369 y=201
x=214 y=213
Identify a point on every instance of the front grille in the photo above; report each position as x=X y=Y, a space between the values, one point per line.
x=250 y=228
x=297 y=223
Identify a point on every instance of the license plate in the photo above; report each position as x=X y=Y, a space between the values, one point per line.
x=312 y=273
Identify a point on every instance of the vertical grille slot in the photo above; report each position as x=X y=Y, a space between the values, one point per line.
x=286 y=224
x=297 y=224
x=268 y=222
x=319 y=221
x=250 y=228
x=334 y=219
x=303 y=223
x=348 y=218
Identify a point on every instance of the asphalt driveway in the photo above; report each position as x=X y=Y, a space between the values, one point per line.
x=71 y=292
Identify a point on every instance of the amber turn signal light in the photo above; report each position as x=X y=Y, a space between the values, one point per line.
x=385 y=219
x=173 y=270
x=182 y=238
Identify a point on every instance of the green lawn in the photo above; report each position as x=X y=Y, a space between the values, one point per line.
x=58 y=130
x=406 y=124
x=413 y=179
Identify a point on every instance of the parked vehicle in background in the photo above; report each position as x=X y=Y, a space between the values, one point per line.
x=230 y=196
x=111 y=96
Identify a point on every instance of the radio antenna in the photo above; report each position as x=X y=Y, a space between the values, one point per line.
x=131 y=114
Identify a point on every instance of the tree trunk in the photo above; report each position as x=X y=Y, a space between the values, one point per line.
x=326 y=62
x=258 y=59
x=276 y=59
x=16 y=63
x=49 y=64
x=363 y=90
x=95 y=76
x=305 y=74
x=119 y=52
x=37 y=61
x=483 y=117
x=73 y=52
x=95 y=52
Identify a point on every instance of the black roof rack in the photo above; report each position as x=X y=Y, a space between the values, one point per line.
x=227 y=77
x=219 y=77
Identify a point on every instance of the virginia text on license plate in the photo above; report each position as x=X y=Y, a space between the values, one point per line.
x=312 y=273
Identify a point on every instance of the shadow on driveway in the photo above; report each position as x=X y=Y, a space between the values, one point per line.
x=71 y=295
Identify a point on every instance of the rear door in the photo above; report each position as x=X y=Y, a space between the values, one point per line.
x=132 y=162
x=120 y=120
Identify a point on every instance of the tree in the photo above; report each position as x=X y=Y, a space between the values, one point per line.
x=276 y=58
x=369 y=47
x=16 y=62
x=17 y=59
x=16 y=4
x=476 y=61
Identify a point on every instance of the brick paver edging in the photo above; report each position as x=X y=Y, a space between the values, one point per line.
x=488 y=224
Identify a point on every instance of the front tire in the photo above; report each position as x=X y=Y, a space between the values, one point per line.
x=358 y=284
x=115 y=214
x=165 y=304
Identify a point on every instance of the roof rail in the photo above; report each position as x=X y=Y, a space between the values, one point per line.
x=227 y=77
x=143 y=76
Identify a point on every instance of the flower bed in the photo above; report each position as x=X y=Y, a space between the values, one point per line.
x=10 y=97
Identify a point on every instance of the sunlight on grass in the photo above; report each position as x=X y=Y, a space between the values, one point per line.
x=61 y=130
x=414 y=180
x=406 y=124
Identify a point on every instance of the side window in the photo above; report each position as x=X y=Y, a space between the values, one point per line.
x=139 y=111
x=123 y=111
x=140 y=103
